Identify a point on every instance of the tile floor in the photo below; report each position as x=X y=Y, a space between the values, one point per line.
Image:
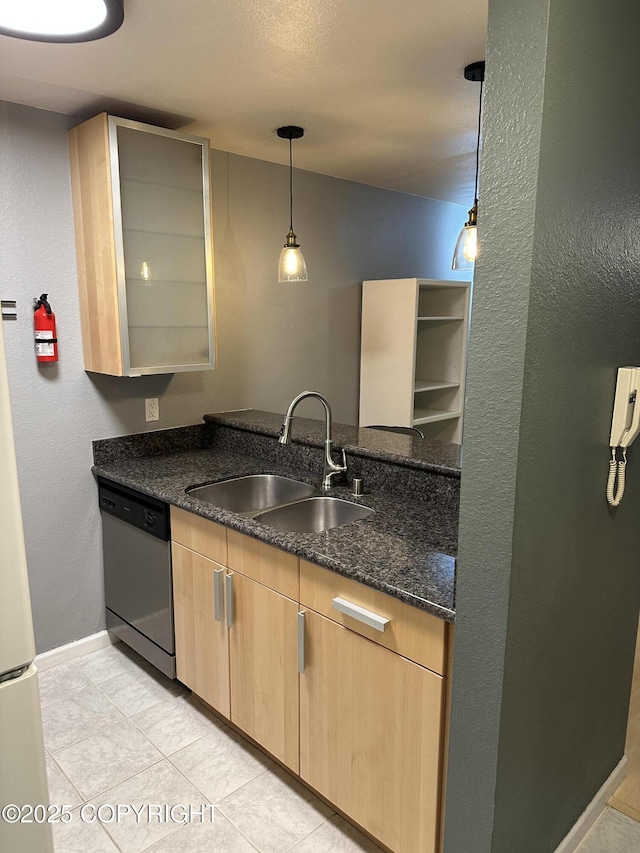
x=613 y=833
x=118 y=732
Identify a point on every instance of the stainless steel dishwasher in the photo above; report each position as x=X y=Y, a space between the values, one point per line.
x=137 y=573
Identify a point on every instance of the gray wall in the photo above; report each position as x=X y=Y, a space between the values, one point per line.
x=273 y=340
x=548 y=581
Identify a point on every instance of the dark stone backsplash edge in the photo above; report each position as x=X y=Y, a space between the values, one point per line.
x=377 y=473
x=255 y=432
x=154 y=443
x=421 y=454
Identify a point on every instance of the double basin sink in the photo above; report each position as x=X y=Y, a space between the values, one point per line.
x=282 y=503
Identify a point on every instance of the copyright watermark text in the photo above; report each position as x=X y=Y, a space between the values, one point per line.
x=178 y=813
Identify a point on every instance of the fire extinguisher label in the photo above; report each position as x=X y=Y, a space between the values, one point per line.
x=42 y=347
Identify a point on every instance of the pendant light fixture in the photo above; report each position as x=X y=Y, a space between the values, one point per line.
x=291 y=266
x=464 y=256
x=60 y=20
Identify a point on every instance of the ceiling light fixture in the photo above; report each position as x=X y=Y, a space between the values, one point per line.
x=466 y=250
x=60 y=20
x=291 y=266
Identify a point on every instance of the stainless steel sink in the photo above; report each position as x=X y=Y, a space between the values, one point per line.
x=313 y=515
x=252 y=493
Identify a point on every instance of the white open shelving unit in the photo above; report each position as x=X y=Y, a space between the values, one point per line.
x=414 y=354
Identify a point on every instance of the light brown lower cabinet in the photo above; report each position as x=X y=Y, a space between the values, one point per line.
x=202 y=642
x=263 y=664
x=335 y=701
x=370 y=734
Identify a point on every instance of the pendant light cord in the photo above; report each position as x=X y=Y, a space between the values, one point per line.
x=475 y=194
x=291 y=183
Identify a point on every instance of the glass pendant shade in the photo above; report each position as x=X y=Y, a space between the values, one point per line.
x=466 y=249
x=60 y=20
x=292 y=266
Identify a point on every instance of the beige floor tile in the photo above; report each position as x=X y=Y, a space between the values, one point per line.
x=218 y=837
x=612 y=833
x=160 y=785
x=274 y=811
x=77 y=716
x=106 y=663
x=336 y=836
x=175 y=723
x=221 y=762
x=139 y=689
x=59 y=682
x=107 y=758
x=81 y=837
x=61 y=791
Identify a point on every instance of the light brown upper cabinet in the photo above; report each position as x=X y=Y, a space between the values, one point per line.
x=141 y=201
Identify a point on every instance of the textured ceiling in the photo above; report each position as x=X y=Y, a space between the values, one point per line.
x=378 y=86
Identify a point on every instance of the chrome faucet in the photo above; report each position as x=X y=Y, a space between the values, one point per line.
x=330 y=467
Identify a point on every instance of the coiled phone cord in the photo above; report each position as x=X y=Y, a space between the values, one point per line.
x=617 y=469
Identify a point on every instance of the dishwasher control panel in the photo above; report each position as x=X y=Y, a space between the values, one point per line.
x=134 y=508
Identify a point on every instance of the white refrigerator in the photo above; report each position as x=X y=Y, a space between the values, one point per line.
x=23 y=777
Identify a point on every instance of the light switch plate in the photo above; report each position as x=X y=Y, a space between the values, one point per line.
x=151 y=409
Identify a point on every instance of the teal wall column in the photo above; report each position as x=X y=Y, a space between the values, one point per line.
x=548 y=579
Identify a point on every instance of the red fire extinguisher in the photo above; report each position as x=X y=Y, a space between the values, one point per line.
x=44 y=321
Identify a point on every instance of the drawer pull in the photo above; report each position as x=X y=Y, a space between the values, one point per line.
x=359 y=613
x=301 y=615
x=218 y=600
x=228 y=590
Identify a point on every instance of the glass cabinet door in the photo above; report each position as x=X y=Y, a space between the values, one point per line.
x=161 y=191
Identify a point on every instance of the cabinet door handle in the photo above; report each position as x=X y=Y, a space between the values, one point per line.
x=218 y=601
x=301 y=615
x=356 y=612
x=228 y=594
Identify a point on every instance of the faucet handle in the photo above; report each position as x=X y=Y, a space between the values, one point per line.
x=344 y=459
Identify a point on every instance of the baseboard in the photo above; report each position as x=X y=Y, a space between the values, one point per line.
x=71 y=651
x=593 y=811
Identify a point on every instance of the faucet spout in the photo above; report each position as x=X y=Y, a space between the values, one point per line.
x=331 y=468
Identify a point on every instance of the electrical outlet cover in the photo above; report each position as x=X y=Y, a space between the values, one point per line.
x=151 y=409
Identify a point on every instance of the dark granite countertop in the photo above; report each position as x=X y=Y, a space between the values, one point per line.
x=424 y=453
x=406 y=548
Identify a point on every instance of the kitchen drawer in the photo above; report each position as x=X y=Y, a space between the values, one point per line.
x=199 y=534
x=410 y=632
x=265 y=564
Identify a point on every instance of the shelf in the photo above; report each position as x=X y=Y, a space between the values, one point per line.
x=441 y=284
x=140 y=282
x=162 y=184
x=199 y=237
x=425 y=385
x=436 y=319
x=427 y=416
x=167 y=326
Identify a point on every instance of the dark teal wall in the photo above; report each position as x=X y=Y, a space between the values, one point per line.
x=548 y=580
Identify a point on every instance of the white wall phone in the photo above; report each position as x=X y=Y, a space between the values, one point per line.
x=625 y=426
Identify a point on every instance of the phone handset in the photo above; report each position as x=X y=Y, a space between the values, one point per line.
x=625 y=426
